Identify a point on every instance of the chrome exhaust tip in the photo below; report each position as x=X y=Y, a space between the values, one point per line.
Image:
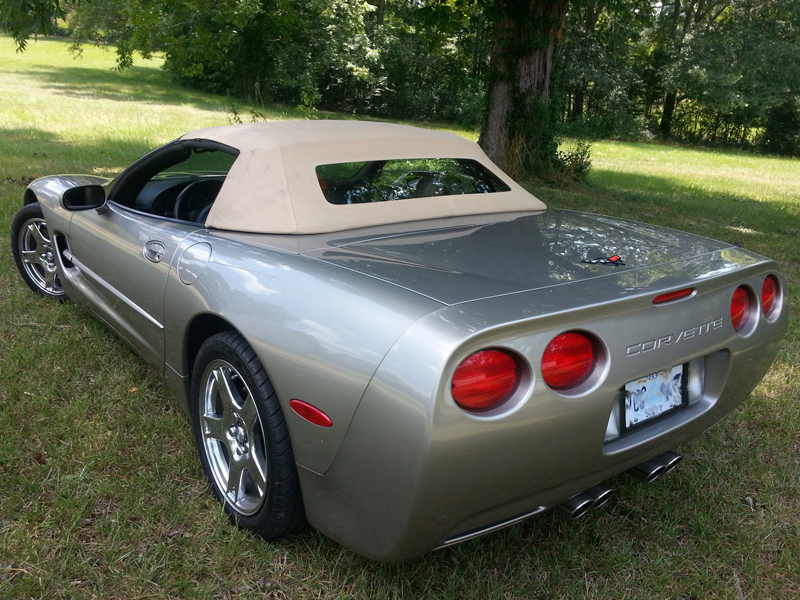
x=669 y=459
x=577 y=506
x=599 y=494
x=648 y=471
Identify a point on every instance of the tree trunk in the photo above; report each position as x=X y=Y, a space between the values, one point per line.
x=665 y=127
x=380 y=12
x=576 y=113
x=518 y=133
x=478 y=51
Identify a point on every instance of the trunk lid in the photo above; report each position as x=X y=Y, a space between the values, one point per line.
x=469 y=262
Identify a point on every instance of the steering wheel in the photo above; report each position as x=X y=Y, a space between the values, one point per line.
x=195 y=200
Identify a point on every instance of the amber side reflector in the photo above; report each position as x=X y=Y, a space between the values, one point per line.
x=671 y=296
x=310 y=413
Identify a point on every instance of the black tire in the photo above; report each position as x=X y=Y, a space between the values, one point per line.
x=34 y=253
x=239 y=426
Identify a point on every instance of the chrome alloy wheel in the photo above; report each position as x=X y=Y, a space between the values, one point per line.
x=233 y=437
x=38 y=255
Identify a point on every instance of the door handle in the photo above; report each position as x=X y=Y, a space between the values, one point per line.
x=154 y=251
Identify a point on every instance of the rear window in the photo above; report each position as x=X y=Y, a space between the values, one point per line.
x=385 y=180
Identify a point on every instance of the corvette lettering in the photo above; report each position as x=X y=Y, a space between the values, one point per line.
x=672 y=339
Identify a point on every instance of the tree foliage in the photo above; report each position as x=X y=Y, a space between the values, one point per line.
x=702 y=71
x=24 y=18
x=402 y=59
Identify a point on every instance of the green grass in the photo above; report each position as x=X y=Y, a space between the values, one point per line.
x=101 y=494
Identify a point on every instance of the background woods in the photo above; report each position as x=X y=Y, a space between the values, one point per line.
x=716 y=72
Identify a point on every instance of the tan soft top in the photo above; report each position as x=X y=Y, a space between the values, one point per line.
x=272 y=186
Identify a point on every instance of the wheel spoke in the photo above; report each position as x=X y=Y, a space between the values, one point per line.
x=214 y=427
x=249 y=414
x=235 y=473
x=36 y=232
x=30 y=257
x=258 y=472
x=223 y=385
x=255 y=462
x=50 y=280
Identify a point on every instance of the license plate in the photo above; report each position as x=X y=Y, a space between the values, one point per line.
x=650 y=397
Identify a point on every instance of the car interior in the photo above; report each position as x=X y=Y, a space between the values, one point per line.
x=179 y=181
x=385 y=180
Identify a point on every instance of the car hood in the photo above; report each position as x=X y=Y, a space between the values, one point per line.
x=534 y=251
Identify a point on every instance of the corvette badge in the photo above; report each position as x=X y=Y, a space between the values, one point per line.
x=611 y=260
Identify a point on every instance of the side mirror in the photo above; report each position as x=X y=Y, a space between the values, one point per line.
x=84 y=197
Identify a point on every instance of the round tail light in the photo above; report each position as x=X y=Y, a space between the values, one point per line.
x=568 y=360
x=485 y=380
x=740 y=308
x=769 y=292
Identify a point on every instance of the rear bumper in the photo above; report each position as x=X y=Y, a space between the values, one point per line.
x=415 y=472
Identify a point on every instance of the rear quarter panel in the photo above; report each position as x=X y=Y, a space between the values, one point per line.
x=320 y=331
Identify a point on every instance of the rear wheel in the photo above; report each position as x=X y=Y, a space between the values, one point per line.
x=35 y=254
x=243 y=440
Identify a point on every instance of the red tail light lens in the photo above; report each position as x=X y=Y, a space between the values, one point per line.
x=769 y=292
x=740 y=308
x=672 y=296
x=485 y=380
x=568 y=360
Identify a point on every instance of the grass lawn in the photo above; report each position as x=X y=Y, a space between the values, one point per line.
x=101 y=494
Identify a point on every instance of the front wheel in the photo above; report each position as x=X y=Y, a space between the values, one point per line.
x=243 y=440
x=35 y=253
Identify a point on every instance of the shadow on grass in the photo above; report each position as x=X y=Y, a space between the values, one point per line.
x=27 y=153
x=140 y=84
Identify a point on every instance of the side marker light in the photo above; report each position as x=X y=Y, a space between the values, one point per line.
x=310 y=413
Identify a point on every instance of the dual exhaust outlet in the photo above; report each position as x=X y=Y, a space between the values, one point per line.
x=597 y=495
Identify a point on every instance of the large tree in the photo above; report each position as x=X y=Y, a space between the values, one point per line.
x=518 y=132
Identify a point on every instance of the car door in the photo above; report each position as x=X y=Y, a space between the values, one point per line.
x=124 y=257
x=124 y=250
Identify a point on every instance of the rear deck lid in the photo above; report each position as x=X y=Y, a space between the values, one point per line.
x=469 y=262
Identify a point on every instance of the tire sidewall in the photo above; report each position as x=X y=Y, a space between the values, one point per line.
x=276 y=515
x=25 y=214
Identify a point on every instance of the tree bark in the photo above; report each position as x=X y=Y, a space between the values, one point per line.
x=380 y=12
x=576 y=112
x=518 y=133
x=665 y=126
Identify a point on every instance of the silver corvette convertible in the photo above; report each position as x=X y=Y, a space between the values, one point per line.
x=376 y=331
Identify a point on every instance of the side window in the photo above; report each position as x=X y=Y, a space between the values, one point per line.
x=179 y=181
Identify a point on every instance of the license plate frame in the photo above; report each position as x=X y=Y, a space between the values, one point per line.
x=653 y=396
